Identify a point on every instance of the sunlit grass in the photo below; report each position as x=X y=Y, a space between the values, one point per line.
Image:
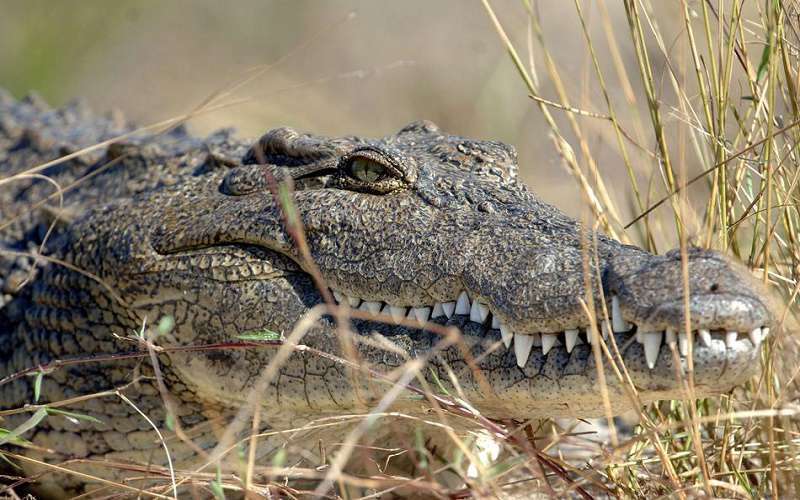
x=731 y=115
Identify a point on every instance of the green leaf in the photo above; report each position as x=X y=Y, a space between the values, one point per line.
x=422 y=451
x=72 y=416
x=279 y=459
x=25 y=426
x=764 y=64
x=502 y=467
x=166 y=324
x=216 y=486
x=287 y=205
x=170 y=422
x=37 y=386
x=13 y=439
x=438 y=383
x=9 y=462
x=263 y=335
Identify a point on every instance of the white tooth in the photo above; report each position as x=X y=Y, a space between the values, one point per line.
x=617 y=322
x=604 y=329
x=683 y=343
x=484 y=311
x=755 y=337
x=353 y=301
x=478 y=312
x=548 y=341
x=495 y=322
x=373 y=307
x=507 y=335
x=462 y=304
x=398 y=313
x=422 y=313
x=338 y=296
x=652 y=344
x=411 y=314
x=764 y=332
x=671 y=338
x=639 y=337
x=475 y=312
x=522 y=348
x=705 y=337
x=571 y=338
x=437 y=310
x=730 y=338
x=449 y=308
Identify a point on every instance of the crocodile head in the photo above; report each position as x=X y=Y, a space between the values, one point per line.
x=434 y=227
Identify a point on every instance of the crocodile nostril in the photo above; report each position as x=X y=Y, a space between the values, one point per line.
x=714 y=287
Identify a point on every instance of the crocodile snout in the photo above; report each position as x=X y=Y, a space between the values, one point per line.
x=729 y=312
x=725 y=302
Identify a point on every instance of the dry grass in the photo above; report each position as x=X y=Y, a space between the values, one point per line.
x=716 y=145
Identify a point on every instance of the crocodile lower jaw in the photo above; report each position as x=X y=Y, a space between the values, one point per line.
x=652 y=341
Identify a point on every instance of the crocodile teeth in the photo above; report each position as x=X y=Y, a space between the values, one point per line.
x=422 y=313
x=495 y=322
x=705 y=337
x=639 y=337
x=522 y=348
x=730 y=338
x=338 y=296
x=373 y=307
x=671 y=338
x=449 y=309
x=604 y=329
x=764 y=332
x=437 y=310
x=571 y=338
x=618 y=323
x=683 y=343
x=507 y=335
x=462 y=304
x=548 y=341
x=755 y=337
x=397 y=313
x=652 y=344
x=478 y=312
x=353 y=301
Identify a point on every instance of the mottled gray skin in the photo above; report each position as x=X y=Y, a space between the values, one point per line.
x=188 y=228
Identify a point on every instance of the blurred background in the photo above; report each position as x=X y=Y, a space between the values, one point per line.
x=392 y=63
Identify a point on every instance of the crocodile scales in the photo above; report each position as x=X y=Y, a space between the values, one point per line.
x=419 y=224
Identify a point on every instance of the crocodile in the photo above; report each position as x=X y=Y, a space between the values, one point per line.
x=412 y=234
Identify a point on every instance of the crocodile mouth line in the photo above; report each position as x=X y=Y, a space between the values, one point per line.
x=651 y=341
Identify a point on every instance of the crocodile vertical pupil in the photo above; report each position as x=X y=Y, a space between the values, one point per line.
x=366 y=170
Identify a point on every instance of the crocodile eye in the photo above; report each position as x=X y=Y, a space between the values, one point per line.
x=375 y=170
x=366 y=170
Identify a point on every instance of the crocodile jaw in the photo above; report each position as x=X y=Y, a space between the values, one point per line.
x=549 y=375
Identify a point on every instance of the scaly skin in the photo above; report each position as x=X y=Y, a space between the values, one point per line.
x=188 y=228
